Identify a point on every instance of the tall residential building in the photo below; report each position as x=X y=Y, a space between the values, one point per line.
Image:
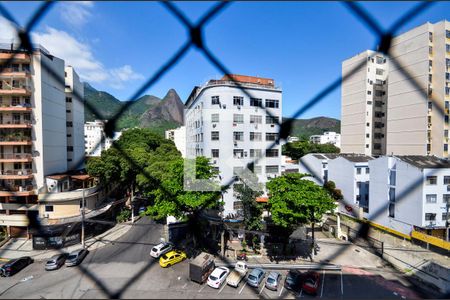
x=178 y=136
x=363 y=119
x=75 y=119
x=413 y=123
x=95 y=139
x=33 y=130
x=233 y=128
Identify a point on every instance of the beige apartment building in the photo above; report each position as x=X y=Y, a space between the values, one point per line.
x=412 y=122
x=37 y=137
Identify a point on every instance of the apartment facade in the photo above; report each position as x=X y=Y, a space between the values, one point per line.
x=414 y=104
x=234 y=125
x=95 y=139
x=363 y=111
x=178 y=136
x=328 y=137
x=316 y=165
x=410 y=193
x=33 y=130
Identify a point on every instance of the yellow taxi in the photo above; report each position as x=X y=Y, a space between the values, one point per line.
x=171 y=258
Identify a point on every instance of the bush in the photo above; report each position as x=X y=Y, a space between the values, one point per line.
x=123 y=216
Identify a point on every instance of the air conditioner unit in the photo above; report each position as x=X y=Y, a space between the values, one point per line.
x=224 y=106
x=238 y=107
x=272 y=125
x=214 y=125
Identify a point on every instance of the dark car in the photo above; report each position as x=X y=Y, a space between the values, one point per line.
x=311 y=283
x=56 y=262
x=15 y=265
x=293 y=281
x=76 y=257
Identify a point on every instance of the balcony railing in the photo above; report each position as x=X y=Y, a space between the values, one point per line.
x=17 y=188
x=15 y=138
x=15 y=122
x=14 y=156
x=17 y=172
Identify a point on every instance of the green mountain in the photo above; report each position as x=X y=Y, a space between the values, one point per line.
x=304 y=128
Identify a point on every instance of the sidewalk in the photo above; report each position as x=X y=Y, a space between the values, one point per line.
x=24 y=247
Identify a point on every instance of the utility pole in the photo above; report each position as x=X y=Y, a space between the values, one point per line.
x=131 y=203
x=82 y=219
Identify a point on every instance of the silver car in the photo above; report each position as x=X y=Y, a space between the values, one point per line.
x=255 y=277
x=273 y=281
x=56 y=262
x=76 y=257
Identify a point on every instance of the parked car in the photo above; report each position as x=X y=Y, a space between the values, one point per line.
x=273 y=281
x=15 y=265
x=171 y=258
x=160 y=249
x=293 y=281
x=218 y=276
x=311 y=283
x=76 y=257
x=56 y=262
x=255 y=277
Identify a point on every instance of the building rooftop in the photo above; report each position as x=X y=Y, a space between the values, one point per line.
x=425 y=162
x=348 y=156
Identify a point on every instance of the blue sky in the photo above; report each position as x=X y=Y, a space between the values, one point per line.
x=115 y=46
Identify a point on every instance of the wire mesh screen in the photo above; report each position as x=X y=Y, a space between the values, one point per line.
x=197 y=40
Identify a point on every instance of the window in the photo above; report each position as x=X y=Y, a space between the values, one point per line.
x=430 y=78
x=238 y=170
x=392 y=177
x=430 y=217
x=238 y=136
x=257 y=169
x=368 y=124
x=26 y=67
x=255 y=153
x=215 y=153
x=215 y=100
x=358 y=170
x=369 y=102
x=391 y=210
x=68 y=99
x=446 y=133
x=256 y=102
x=271 y=120
x=272 y=103
x=431 y=198
x=379 y=93
x=447 y=34
x=431 y=180
x=271 y=136
x=254 y=119
x=271 y=169
x=238 y=100
x=430 y=50
x=271 y=152
x=447 y=47
x=255 y=136
x=214 y=118
x=238 y=118
x=48 y=208
x=445 y=147
x=367 y=170
x=379 y=71
x=446 y=198
x=214 y=135
x=15 y=101
x=380 y=60
x=379 y=103
x=369 y=92
x=70 y=148
x=68 y=111
x=69 y=124
x=445 y=216
x=238 y=205
x=238 y=153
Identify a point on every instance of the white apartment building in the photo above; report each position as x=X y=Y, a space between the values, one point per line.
x=75 y=119
x=328 y=137
x=414 y=118
x=363 y=107
x=351 y=174
x=178 y=136
x=232 y=129
x=316 y=164
x=410 y=193
x=33 y=130
x=95 y=139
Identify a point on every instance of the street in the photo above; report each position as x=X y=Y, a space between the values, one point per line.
x=125 y=269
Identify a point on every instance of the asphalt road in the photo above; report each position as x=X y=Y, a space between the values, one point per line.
x=125 y=269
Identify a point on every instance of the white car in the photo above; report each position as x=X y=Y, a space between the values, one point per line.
x=160 y=249
x=218 y=277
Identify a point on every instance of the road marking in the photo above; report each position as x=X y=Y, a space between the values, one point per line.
x=261 y=289
x=201 y=289
x=323 y=283
x=223 y=286
x=184 y=286
x=281 y=291
x=342 y=284
x=301 y=292
x=245 y=283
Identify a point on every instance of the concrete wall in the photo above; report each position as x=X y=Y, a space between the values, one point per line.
x=310 y=164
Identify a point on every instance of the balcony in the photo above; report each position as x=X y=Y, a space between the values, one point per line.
x=16 y=157
x=16 y=174
x=15 y=73
x=14 y=220
x=24 y=57
x=19 y=91
x=15 y=124
x=16 y=108
x=16 y=190
x=15 y=140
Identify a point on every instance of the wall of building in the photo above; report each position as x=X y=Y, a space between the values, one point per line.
x=310 y=164
x=178 y=136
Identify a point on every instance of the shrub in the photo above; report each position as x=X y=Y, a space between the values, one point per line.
x=123 y=216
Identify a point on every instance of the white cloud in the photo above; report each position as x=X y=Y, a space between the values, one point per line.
x=75 y=53
x=76 y=13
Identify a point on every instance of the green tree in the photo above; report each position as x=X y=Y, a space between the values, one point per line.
x=296 y=150
x=294 y=201
x=252 y=210
x=335 y=193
